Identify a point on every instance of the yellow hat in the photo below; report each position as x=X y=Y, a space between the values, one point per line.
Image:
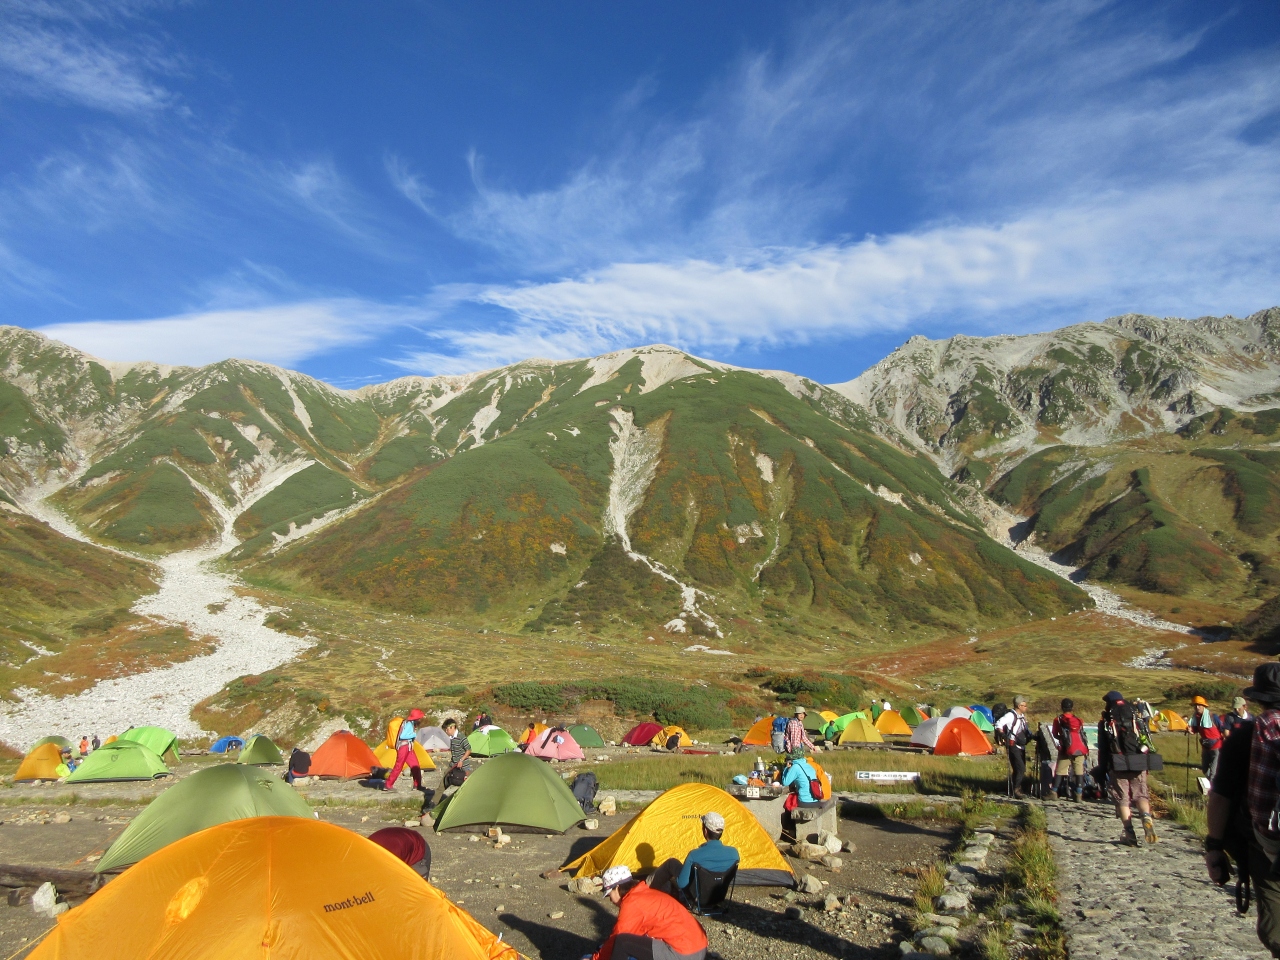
x=1200 y=701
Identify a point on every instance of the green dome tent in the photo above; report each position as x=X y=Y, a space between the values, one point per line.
x=913 y=716
x=156 y=739
x=259 y=749
x=586 y=735
x=842 y=722
x=491 y=742
x=204 y=799
x=981 y=722
x=513 y=790
x=62 y=743
x=122 y=760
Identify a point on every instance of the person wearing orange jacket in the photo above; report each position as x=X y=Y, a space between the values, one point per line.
x=1205 y=725
x=651 y=925
x=405 y=739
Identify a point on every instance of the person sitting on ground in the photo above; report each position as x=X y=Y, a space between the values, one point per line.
x=1237 y=718
x=1246 y=789
x=459 y=755
x=299 y=765
x=674 y=877
x=406 y=739
x=68 y=760
x=1120 y=752
x=1205 y=725
x=651 y=924
x=795 y=736
x=1068 y=734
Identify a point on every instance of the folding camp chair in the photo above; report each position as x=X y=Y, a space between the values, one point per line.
x=708 y=889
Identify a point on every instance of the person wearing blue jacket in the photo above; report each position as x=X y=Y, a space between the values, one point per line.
x=673 y=876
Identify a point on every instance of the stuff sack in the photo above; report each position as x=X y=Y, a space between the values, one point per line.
x=584 y=791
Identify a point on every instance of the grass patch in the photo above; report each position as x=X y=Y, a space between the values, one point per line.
x=1030 y=879
x=929 y=886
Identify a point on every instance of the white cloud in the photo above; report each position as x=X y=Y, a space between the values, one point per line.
x=283 y=334
x=64 y=64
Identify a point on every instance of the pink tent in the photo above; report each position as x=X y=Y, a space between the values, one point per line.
x=554 y=745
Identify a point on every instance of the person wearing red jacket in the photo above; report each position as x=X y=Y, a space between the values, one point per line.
x=651 y=925
x=1068 y=734
x=1205 y=726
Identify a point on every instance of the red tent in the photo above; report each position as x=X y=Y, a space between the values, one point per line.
x=554 y=745
x=961 y=735
x=343 y=756
x=642 y=734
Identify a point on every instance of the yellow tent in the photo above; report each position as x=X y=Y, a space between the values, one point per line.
x=891 y=722
x=671 y=826
x=387 y=756
x=42 y=763
x=828 y=715
x=668 y=732
x=271 y=887
x=1171 y=721
x=860 y=730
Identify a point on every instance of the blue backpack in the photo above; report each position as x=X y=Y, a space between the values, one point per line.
x=779 y=724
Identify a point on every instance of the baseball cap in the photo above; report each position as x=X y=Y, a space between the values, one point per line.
x=713 y=822
x=614 y=876
x=1238 y=702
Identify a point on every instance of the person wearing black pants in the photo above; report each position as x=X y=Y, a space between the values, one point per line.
x=1012 y=729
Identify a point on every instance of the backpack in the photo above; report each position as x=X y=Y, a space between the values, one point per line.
x=1121 y=727
x=1065 y=731
x=584 y=791
x=815 y=782
x=779 y=725
x=299 y=762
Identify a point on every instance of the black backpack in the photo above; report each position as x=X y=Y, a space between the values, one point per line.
x=1121 y=727
x=584 y=791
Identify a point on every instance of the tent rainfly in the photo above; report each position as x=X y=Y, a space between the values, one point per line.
x=670 y=827
x=271 y=887
x=642 y=734
x=491 y=742
x=122 y=760
x=913 y=716
x=259 y=750
x=344 y=756
x=433 y=738
x=226 y=744
x=387 y=756
x=527 y=734
x=890 y=723
x=512 y=790
x=158 y=740
x=760 y=734
x=555 y=745
x=860 y=730
x=42 y=763
x=586 y=735
x=952 y=737
x=661 y=739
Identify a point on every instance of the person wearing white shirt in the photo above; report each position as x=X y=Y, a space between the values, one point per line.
x=1012 y=730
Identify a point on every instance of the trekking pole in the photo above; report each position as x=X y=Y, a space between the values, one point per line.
x=1187 y=788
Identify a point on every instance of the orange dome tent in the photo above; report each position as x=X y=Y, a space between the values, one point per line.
x=271 y=887
x=760 y=734
x=42 y=763
x=890 y=722
x=961 y=736
x=344 y=756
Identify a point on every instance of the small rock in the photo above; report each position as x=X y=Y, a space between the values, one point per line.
x=558 y=915
x=830 y=841
x=45 y=901
x=590 y=824
x=62 y=818
x=832 y=863
x=413 y=823
x=808 y=851
x=793 y=913
x=953 y=902
x=1024 y=932
x=474 y=838
x=849 y=847
x=936 y=946
x=500 y=908
x=811 y=884
x=831 y=904
x=1008 y=910
x=608 y=806
x=551 y=874
x=938 y=920
x=790 y=896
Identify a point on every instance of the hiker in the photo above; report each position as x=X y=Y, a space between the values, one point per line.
x=673 y=877
x=1068 y=734
x=1205 y=725
x=95 y=742
x=799 y=778
x=459 y=755
x=482 y=720
x=84 y=746
x=1012 y=731
x=1236 y=719
x=1241 y=812
x=408 y=846
x=530 y=732
x=885 y=705
x=406 y=737
x=650 y=923
x=67 y=759
x=777 y=734
x=795 y=737
x=1121 y=757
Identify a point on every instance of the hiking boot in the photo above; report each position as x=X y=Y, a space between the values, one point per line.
x=1149 y=828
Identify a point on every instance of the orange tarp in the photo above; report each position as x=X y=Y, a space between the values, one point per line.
x=271 y=888
x=344 y=756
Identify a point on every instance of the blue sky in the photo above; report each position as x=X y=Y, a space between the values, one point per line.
x=366 y=190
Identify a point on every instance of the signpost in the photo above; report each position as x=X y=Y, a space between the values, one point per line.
x=889 y=776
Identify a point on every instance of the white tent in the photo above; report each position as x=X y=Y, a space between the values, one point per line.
x=926 y=735
x=433 y=738
x=958 y=713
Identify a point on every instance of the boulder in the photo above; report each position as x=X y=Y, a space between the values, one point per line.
x=832 y=863
x=45 y=901
x=831 y=903
x=811 y=884
x=830 y=841
x=952 y=902
x=608 y=806
x=809 y=851
x=936 y=946
x=792 y=913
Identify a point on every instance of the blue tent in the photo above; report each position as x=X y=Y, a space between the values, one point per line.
x=985 y=711
x=223 y=744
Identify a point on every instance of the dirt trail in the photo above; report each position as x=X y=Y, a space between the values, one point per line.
x=193 y=594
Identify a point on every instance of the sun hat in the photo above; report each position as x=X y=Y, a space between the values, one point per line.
x=797 y=753
x=614 y=876
x=414 y=714
x=799 y=710
x=1199 y=701
x=713 y=822
x=1266 y=684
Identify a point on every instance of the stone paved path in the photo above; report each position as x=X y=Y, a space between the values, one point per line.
x=1152 y=903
